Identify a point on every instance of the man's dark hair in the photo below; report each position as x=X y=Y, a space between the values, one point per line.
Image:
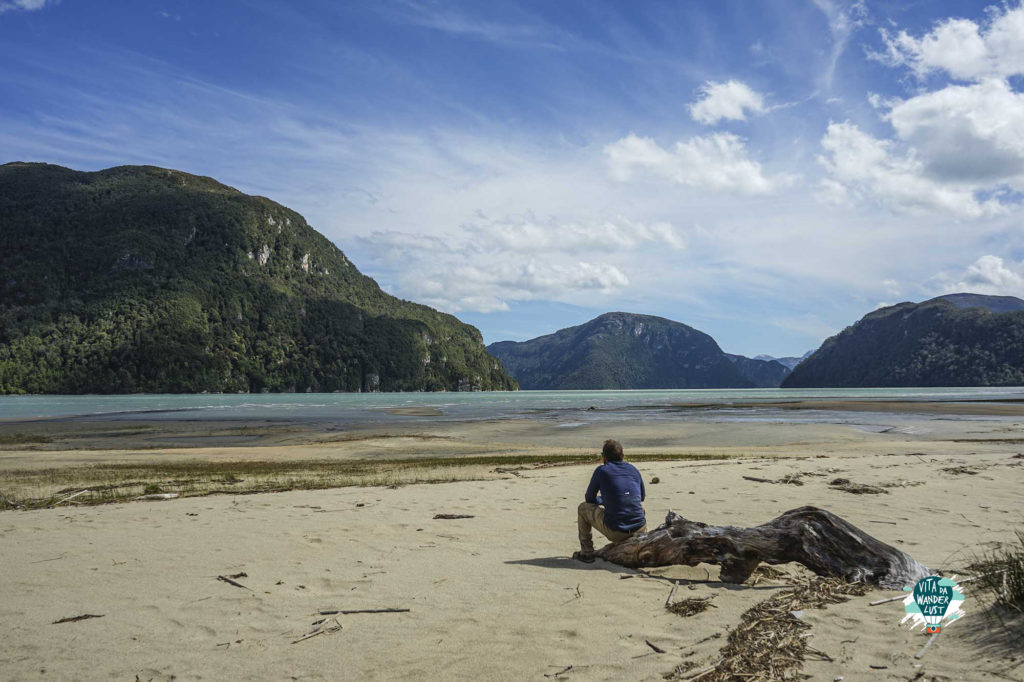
x=612 y=450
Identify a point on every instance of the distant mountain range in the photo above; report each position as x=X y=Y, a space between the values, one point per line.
x=626 y=351
x=761 y=372
x=143 y=279
x=954 y=340
x=788 y=362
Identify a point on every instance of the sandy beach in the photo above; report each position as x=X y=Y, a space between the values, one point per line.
x=495 y=595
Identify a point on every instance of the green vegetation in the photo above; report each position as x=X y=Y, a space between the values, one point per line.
x=35 y=488
x=142 y=279
x=23 y=439
x=761 y=373
x=935 y=343
x=620 y=351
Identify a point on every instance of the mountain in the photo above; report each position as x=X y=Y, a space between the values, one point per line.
x=956 y=340
x=761 y=373
x=993 y=304
x=143 y=279
x=788 y=362
x=620 y=351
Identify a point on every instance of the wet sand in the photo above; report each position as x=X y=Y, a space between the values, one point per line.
x=1004 y=408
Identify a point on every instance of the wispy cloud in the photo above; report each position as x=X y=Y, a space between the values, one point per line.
x=531 y=33
x=844 y=18
x=25 y=5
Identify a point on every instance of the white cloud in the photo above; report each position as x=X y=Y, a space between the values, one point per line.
x=988 y=275
x=526 y=235
x=489 y=263
x=456 y=284
x=969 y=133
x=963 y=48
x=808 y=324
x=716 y=162
x=957 y=142
x=27 y=5
x=867 y=169
x=731 y=100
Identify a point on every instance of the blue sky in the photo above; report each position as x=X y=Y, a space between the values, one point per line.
x=767 y=172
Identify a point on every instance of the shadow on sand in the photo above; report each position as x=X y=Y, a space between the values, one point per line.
x=996 y=634
x=568 y=563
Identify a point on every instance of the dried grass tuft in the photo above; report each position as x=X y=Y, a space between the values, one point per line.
x=848 y=486
x=766 y=572
x=691 y=606
x=962 y=470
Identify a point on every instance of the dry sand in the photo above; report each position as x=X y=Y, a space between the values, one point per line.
x=494 y=596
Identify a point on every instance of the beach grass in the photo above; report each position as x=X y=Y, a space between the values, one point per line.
x=121 y=482
x=24 y=439
x=1002 y=572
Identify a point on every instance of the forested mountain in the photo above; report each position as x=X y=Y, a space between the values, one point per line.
x=762 y=373
x=142 y=279
x=620 y=350
x=955 y=340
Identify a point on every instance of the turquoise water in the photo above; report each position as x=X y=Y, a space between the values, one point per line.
x=371 y=407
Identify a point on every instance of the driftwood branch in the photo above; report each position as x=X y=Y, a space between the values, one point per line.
x=334 y=612
x=75 y=619
x=229 y=579
x=70 y=497
x=820 y=540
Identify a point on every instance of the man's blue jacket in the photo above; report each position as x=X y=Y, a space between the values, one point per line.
x=622 y=491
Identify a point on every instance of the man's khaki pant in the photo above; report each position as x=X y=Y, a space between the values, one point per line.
x=592 y=516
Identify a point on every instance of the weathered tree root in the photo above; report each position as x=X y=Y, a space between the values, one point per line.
x=818 y=539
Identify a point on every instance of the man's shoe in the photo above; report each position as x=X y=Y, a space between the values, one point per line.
x=585 y=557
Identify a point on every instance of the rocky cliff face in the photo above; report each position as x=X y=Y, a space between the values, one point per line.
x=620 y=351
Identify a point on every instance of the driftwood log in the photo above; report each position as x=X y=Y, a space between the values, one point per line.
x=820 y=540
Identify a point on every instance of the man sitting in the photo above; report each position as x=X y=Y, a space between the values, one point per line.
x=622 y=491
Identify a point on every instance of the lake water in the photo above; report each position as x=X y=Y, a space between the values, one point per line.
x=569 y=408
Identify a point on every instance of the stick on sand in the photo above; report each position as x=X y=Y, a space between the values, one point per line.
x=671 y=594
x=657 y=649
x=229 y=581
x=75 y=619
x=330 y=612
x=920 y=654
